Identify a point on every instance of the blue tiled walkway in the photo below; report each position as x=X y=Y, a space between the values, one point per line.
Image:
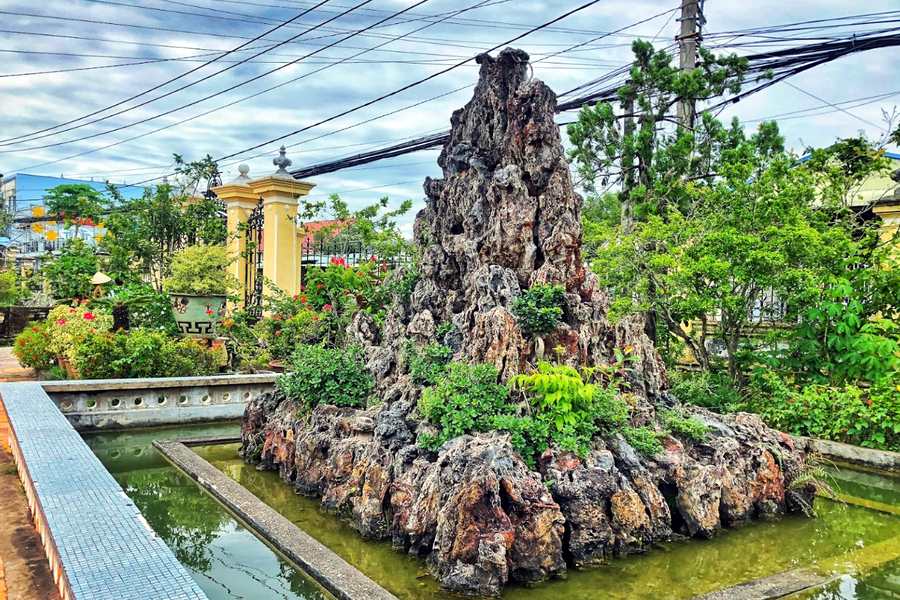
x=106 y=549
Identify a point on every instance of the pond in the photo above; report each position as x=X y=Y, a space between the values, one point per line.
x=845 y=538
x=225 y=559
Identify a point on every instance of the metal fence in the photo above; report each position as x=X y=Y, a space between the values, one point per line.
x=318 y=254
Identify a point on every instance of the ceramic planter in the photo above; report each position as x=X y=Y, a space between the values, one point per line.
x=197 y=315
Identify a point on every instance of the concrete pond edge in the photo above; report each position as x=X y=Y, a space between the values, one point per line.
x=320 y=563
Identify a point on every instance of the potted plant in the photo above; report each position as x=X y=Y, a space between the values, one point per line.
x=198 y=287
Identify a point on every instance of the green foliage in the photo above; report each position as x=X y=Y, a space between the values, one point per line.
x=31 y=347
x=689 y=427
x=374 y=226
x=75 y=204
x=344 y=289
x=710 y=390
x=539 y=308
x=322 y=375
x=141 y=353
x=427 y=364
x=850 y=414
x=643 y=439
x=11 y=289
x=68 y=326
x=201 y=271
x=566 y=407
x=144 y=233
x=844 y=337
x=146 y=308
x=465 y=400
x=69 y=274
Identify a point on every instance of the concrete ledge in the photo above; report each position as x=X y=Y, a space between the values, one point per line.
x=97 y=542
x=99 y=385
x=327 y=568
x=775 y=586
x=876 y=459
x=100 y=404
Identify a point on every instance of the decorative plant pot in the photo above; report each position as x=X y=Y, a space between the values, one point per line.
x=197 y=315
x=67 y=366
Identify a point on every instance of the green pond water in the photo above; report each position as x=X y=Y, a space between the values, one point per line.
x=230 y=563
x=225 y=559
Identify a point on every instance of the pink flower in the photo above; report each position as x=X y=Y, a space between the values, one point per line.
x=327 y=308
x=89 y=316
x=60 y=321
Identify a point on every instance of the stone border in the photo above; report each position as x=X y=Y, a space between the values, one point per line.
x=883 y=460
x=330 y=570
x=103 y=404
x=97 y=542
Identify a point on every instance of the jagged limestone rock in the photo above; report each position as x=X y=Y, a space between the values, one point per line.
x=503 y=217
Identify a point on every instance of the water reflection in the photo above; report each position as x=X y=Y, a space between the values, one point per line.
x=226 y=560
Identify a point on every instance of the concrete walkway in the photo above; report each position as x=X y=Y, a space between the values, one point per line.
x=11 y=370
x=24 y=571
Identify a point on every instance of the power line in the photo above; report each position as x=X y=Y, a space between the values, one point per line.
x=409 y=85
x=827 y=103
x=427 y=25
x=32 y=135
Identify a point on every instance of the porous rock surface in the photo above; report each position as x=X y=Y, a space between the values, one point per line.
x=503 y=217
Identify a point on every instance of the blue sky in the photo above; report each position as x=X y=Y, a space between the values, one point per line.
x=128 y=31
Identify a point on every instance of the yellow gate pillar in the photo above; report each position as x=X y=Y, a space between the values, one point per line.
x=240 y=200
x=889 y=211
x=281 y=248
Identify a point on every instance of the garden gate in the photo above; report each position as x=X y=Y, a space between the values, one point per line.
x=253 y=265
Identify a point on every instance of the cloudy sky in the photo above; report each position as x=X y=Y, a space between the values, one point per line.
x=65 y=59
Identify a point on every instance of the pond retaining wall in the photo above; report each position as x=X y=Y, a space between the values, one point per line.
x=124 y=403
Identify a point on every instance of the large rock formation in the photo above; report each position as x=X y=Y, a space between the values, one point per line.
x=503 y=217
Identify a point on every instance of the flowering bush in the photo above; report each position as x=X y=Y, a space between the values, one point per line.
x=68 y=326
x=31 y=347
x=343 y=288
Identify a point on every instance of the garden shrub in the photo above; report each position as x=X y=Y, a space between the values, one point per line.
x=643 y=439
x=200 y=271
x=67 y=327
x=31 y=347
x=848 y=413
x=142 y=353
x=321 y=375
x=563 y=409
x=146 y=307
x=567 y=410
x=715 y=391
x=539 y=308
x=427 y=364
x=69 y=274
x=465 y=399
x=681 y=425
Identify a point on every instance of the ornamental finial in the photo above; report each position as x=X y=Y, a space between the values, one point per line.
x=282 y=162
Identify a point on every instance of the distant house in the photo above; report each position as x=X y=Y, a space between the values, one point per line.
x=22 y=195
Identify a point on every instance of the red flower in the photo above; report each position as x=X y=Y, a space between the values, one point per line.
x=88 y=316
x=338 y=261
x=60 y=321
x=210 y=312
x=327 y=308
x=303 y=298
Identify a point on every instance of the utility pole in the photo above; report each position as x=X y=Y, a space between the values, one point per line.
x=692 y=21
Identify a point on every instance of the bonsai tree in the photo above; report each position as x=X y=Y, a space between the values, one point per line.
x=200 y=271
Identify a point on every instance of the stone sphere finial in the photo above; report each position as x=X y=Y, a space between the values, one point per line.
x=243 y=169
x=282 y=161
